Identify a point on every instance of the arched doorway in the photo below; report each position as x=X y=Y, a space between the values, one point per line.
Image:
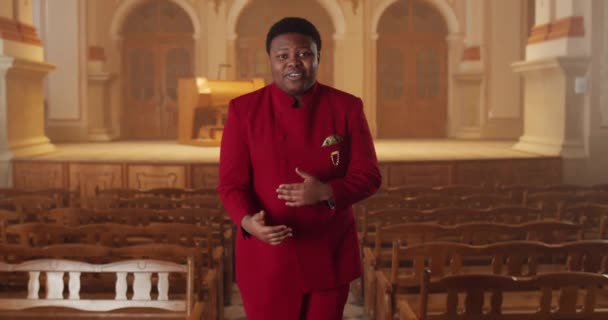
x=258 y=17
x=158 y=50
x=412 y=72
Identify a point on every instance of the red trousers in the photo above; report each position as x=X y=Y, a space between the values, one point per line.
x=322 y=305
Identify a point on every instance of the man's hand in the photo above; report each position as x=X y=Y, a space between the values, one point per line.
x=309 y=192
x=256 y=226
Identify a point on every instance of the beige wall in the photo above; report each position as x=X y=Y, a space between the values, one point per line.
x=560 y=119
x=354 y=57
x=62 y=49
x=596 y=98
x=486 y=93
x=501 y=116
x=504 y=46
x=64 y=36
x=23 y=11
x=22 y=70
x=6 y=9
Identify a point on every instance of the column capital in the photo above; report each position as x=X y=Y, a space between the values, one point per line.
x=101 y=77
x=571 y=65
x=6 y=62
x=455 y=39
x=23 y=65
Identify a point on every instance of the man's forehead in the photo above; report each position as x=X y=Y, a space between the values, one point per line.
x=297 y=42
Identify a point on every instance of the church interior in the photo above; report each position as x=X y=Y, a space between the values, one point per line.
x=489 y=118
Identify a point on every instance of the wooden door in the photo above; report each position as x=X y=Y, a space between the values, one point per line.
x=158 y=50
x=427 y=107
x=177 y=62
x=412 y=72
x=152 y=71
x=142 y=94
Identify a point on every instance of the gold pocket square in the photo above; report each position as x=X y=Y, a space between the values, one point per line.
x=331 y=140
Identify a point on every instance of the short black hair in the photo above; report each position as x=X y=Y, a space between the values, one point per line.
x=293 y=25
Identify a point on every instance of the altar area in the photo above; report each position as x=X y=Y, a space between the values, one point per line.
x=84 y=167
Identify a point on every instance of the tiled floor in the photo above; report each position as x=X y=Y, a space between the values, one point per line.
x=352 y=311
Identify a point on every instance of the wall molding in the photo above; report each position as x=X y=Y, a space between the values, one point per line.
x=471 y=54
x=13 y=30
x=568 y=27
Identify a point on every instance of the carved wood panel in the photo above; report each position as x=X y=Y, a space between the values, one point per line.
x=538 y=171
x=421 y=174
x=33 y=175
x=205 y=176
x=484 y=172
x=85 y=178
x=509 y=171
x=146 y=177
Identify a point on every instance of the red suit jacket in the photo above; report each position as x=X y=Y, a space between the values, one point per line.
x=265 y=139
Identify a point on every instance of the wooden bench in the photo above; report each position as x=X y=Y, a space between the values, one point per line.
x=571 y=295
x=518 y=258
x=143 y=287
x=379 y=257
x=591 y=216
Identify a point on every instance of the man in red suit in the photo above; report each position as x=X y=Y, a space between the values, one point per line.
x=295 y=156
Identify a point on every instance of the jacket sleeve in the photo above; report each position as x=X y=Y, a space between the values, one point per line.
x=362 y=177
x=235 y=174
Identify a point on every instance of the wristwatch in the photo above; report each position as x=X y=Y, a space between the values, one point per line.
x=331 y=204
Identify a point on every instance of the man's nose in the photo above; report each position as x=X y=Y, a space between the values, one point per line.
x=294 y=61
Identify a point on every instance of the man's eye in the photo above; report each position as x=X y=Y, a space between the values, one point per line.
x=305 y=54
x=282 y=56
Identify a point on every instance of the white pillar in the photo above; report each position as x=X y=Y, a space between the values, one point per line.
x=557 y=57
x=100 y=118
x=66 y=47
x=5 y=152
x=455 y=46
x=22 y=70
x=466 y=116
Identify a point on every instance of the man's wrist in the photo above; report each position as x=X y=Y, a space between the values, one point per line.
x=326 y=192
x=244 y=222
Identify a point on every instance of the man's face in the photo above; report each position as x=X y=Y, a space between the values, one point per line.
x=294 y=60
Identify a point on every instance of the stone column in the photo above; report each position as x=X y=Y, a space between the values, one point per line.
x=455 y=43
x=556 y=58
x=100 y=127
x=100 y=118
x=231 y=54
x=372 y=88
x=468 y=78
x=22 y=71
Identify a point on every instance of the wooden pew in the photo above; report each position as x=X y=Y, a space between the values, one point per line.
x=519 y=258
x=571 y=295
x=459 y=190
x=114 y=235
x=484 y=201
x=7 y=218
x=551 y=203
x=65 y=296
x=591 y=216
x=406 y=191
x=430 y=201
x=379 y=257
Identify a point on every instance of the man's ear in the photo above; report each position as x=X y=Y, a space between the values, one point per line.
x=319 y=56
